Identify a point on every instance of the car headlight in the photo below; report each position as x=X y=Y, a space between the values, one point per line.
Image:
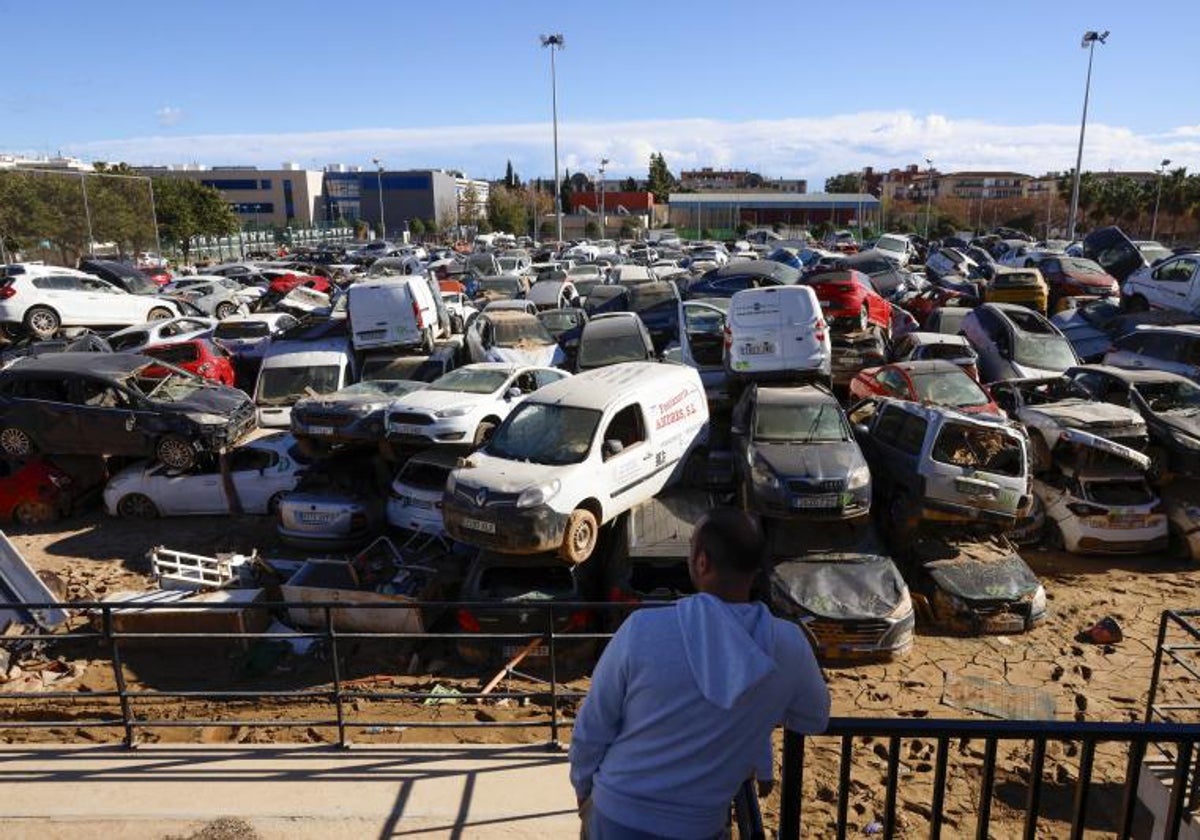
x=859 y=478
x=459 y=411
x=210 y=419
x=1037 y=604
x=762 y=474
x=1185 y=440
x=539 y=495
x=903 y=608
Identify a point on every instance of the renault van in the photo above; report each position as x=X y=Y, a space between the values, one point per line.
x=574 y=455
x=777 y=332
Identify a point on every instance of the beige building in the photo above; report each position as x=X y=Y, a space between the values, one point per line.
x=260 y=197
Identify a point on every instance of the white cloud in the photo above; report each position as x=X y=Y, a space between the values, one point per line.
x=169 y=116
x=809 y=147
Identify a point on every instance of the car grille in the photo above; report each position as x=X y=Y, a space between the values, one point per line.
x=833 y=634
x=989 y=609
x=811 y=485
x=410 y=418
x=318 y=418
x=470 y=496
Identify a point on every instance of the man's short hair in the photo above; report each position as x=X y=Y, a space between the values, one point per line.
x=731 y=539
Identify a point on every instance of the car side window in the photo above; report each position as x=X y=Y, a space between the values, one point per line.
x=1094 y=383
x=48 y=390
x=894 y=382
x=888 y=426
x=1129 y=343
x=250 y=459
x=912 y=434
x=526 y=383
x=626 y=427
x=1191 y=354
x=1164 y=347
x=97 y=394
x=545 y=377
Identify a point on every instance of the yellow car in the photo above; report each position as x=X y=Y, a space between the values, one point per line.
x=1024 y=286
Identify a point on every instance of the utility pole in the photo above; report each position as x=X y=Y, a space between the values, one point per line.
x=379 y=185
x=928 y=197
x=1158 y=197
x=603 y=226
x=1089 y=43
x=555 y=42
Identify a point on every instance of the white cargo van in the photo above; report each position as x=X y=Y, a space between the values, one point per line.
x=292 y=370
x=777 y=332
x=392 y=312
x=574 y=455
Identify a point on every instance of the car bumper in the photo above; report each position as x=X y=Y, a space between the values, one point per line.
x=979 y=619
x=415 y=518
x=506 y=528
x=444 y=432
x=850 y=504
x=317 y=541
x=860 y=640
x=1022 y=298
x=1084 y=538
x=943 y=511
x=354 y=432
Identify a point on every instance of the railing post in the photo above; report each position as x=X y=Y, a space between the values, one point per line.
x=791 y=786
x=1158 y=652
x=1129 y=798
x=1175 y=810
x=551 y=650
x=1082 y=784
x=986 y=784
x=118 y=676
x=1037 y=764
x=331 y=635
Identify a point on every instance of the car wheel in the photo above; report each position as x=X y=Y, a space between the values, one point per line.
x=42 y=322
x=579 y=539
x=1053 y=536
x=864 y=318
x=159 y=313
x=137 y=506
x=274 y=502
x=483 y=433
x=175 y=452
x=15 y=443
x=427 y=341
x=1137 y=303
x=34 y=513
x=224 y=310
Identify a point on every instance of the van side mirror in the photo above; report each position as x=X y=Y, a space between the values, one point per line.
x=512 y=393
x=611 y=448
x=861 y=429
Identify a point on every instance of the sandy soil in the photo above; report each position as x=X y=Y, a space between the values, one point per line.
x=1045 y=669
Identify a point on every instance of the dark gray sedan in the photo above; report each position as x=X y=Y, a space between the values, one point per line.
x=352 y=415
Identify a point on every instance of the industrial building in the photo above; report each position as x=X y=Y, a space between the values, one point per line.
x=723 y=211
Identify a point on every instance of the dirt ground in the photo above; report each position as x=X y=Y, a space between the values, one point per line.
x=1042 y=673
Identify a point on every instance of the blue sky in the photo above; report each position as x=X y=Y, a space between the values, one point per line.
x=788 y=88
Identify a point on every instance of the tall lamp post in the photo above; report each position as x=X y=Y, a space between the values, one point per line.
x=603 y=227
x=379 y=184
x=555 y=42
x=928 y=196
x=1158 y=196
x=1090 y=39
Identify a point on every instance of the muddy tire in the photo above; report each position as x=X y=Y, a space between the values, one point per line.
x=42 y=322
x=15 y=443
x=579 y=538
x=159 y=313
x=34 y=513
x=137 y=506
x=483 y=433
x=224 y=310
x=175 y=452
x=427 y=341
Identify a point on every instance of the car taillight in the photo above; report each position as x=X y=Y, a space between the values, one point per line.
x=728 y=338
x=619 y=596
x=819 y=326
x=417 y=316
x=1084 y=509
x=468 y=622
x=7 y=291
x=578 y=621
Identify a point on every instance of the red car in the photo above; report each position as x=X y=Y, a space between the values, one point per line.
x=849 y=300
x=160 y=276
x=923 y=303
x=282 y=285
x=199 y=356
x=1075 y=277
x=33 y=492
x=934 y=381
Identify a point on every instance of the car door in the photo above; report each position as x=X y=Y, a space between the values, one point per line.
x=1125 y=350
x=703 y=336
x=61 y=293
x=104 y=303
x=1171 y=284
x=111 y=418
x=257 y=475
x=627 y=457
x=198 y=491
x=897 y=437
x=42 y=407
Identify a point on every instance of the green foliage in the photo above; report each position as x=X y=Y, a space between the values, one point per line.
x=510 y=177
x=591 y=230
x=187 y=208
x=847 y=182
x=484 y=226
x=629 y=227
x=660 y=180
x=565 y=191
x=629 y=185
x=508 y=210
x=416 y=227
x=1025 y=222
x=743 y=228
x=545 y=229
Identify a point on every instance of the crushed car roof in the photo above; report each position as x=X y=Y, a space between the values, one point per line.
x=68 y=364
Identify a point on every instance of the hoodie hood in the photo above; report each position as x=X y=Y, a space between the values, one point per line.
x=729 y=647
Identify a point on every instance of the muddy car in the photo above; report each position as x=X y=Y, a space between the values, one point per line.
x=965 y=584
x=936 y=464
x=354 y=415
x=1182 y=502
x=1049 y=406
x=852 y=352
x=839 y=584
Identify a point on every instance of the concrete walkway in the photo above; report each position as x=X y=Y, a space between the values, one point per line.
x=286 y=792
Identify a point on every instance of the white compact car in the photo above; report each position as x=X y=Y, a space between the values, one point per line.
x=415 y=500
x=262 y=471
x=248 y=336
x=1103 y=513
x=466 y=404
x=166 y=331
x=42 y=302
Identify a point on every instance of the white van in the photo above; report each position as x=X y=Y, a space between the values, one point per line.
x=574 y=455
x=295 y=369
x=392 y=312
x=777 y=332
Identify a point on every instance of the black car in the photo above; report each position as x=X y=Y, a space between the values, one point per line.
x=522 y=587
x=23 y=348
x=120 y=274
x=101 y=404
x=613 y=338
x=606 y=298
x=566 y=325
x=353 y=415
x=839 y=584
x=730 y=279
x=1116 y=252
x=657 y=304
x=388 y=364
x=1168 y=402
x=795 y=455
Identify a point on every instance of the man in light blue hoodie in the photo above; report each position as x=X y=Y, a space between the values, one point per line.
x=685 y=698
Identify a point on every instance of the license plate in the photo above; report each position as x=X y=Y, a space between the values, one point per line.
x=1005 y=623
x=1120 y=521
x=320 y=430
x=972 y=488
x=371 y=334
x=479 y=525
x=512 y=650
x=827 y=500
x=309 y=517
x=760 y=348
x=406 y=429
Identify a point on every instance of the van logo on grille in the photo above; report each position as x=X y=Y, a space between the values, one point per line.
x=480 y=497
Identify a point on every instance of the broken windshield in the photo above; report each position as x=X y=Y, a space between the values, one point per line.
x=1170 y=396
x=989 y=450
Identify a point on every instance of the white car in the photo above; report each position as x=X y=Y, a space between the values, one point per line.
x=415 y=500
x=899 y=249
x=511 y=338
x=1109 y=512
x=248 y=336
x=1173 y=283
x=460 y=308
x=262 y=471
x=44 y=300
x=243 y=293
x=465 y=405
x=166 y=331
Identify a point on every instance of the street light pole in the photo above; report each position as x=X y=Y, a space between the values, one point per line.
x=1158 y=197
x=555 y=42
x=1089 y=42
x=928 y=197
x=379 y=185
x=603 y=227
x=87 y=212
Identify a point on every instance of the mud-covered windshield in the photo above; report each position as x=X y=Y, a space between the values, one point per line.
x=471 y=380
x=1044 y=352
x=816 y=422
x=546 y=434
x=286 y=385
x=520 y=332
x=988 y=450
x=1170 y=396
x=951 y=387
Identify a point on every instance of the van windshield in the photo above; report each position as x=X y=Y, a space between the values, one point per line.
x=520 y=332
x=989 y=450
x=545 y=434
x=285 y=385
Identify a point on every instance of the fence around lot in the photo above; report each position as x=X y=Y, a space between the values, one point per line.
x=1174 y=742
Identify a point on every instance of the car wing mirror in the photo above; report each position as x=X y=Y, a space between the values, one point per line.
x=611 y=448
x=512 y=393
x=861 y=429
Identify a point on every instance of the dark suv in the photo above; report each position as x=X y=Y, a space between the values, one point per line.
x=102 y=404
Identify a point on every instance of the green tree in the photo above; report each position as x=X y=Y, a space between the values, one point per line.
x=565 y=191
x=660 y=181
x=469 y=205
x=510 y=179
x=629 y=185
x=187 y=209
x=546 y=229
x=483 y=225
x=508 y=210
x=591 y=229
x=629 y=227
x=847 y=182
x=416 y=227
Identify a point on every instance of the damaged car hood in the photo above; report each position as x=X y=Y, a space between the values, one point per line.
x=838 y=587
x=980 y=571
x=1083 y=413
x=811 y=460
